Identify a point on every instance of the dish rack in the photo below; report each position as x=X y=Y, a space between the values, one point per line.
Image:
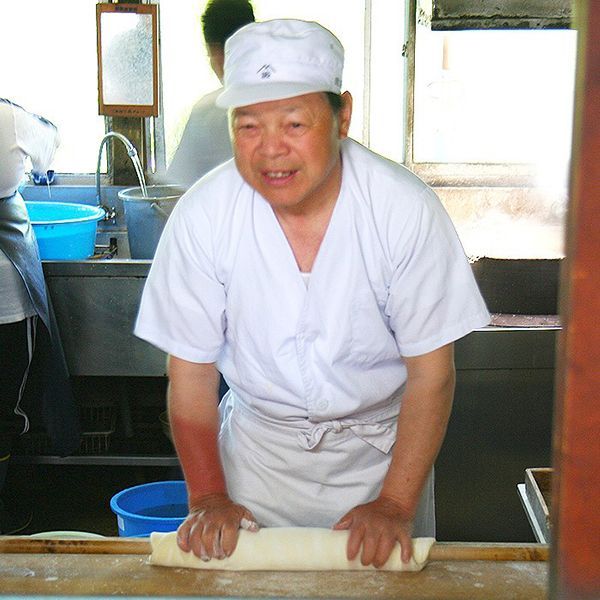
x=98 y=424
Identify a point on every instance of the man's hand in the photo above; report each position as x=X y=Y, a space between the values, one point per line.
x=426 y=405
x=377 y=526
x=211 y=528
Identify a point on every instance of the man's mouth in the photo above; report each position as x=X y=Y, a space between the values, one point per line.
x=278 y=176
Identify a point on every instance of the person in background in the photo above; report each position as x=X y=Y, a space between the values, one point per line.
x=27 y=355
x=328 y=285
x=205 y=141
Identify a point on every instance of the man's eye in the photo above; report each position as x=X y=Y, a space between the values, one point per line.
x=296 y=128
x=246 y=127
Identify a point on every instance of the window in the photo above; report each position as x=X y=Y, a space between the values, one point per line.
x=491 y=131
x=48 y=54
x=493 y=96
x=54 y=71
x=187 y=75
x=488 y=124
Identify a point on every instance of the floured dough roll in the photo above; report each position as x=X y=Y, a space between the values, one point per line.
x=285 y=549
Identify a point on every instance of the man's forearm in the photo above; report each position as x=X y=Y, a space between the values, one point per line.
x=422 y=424
x=194 y=420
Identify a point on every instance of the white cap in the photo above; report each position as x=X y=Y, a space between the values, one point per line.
x=280 y=59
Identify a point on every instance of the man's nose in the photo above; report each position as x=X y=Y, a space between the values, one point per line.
x=273 y=143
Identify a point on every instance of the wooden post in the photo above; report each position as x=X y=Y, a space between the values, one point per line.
x=575 y=561
x=123 y=170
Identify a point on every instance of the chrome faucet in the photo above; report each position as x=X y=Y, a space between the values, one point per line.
x=132 y=153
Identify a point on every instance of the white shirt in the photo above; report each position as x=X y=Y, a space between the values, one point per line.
x=204 y=144
x=390 y=280
x=23 y=135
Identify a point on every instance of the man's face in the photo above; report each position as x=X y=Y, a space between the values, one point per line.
x=289 y=150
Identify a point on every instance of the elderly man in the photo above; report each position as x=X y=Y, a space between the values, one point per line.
x=327 y=284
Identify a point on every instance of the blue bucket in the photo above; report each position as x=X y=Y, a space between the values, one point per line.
x=158 y=506
x=64 y=230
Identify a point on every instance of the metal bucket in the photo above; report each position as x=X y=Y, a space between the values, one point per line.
x=146 y=216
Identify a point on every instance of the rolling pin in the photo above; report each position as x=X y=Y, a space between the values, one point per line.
x=440 y=551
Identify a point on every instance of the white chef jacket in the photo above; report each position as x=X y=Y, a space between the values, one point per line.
x=322 y=361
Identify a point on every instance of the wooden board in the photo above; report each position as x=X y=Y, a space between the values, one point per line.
x=114 y=574
x=120 y=566
x=446 y=551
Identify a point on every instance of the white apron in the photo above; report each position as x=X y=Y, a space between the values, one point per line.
x=336 y=465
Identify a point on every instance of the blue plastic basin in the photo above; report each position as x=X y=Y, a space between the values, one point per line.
x=157 y=506
x=64 y=230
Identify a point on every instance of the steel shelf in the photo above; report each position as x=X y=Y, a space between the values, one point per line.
x=108 y=460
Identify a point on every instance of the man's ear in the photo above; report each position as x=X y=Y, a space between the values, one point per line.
x=345 y=115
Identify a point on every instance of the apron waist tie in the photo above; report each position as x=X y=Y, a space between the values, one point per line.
x=377 y=435
x=375 y=427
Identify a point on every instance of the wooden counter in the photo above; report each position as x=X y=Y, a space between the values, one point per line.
x=124 y=570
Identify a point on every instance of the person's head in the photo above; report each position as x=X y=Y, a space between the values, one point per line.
x=220 y=20
x=283 y=87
